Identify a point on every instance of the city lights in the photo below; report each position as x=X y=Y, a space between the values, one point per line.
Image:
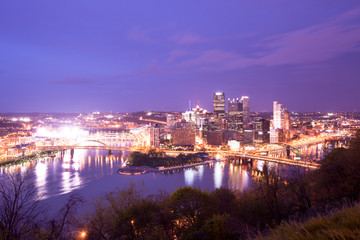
x=64 y=132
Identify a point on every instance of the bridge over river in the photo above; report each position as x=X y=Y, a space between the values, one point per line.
x=230 y=155
x=274 y=155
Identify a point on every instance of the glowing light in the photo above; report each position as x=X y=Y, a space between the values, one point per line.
x=83 y=234
x=189 y=175
x=249 y=148
x=218 y=175
x=65 y=132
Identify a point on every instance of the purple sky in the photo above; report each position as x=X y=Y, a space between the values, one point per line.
x=125 y=56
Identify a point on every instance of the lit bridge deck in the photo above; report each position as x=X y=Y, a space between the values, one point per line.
x=293 y=162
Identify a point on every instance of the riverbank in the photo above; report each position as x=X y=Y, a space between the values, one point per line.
x=132 y=170
x=22 y=159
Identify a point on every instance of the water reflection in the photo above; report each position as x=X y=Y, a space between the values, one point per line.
x=189 y=175
x=41 y=174
x=239 y=178
x=94 y=172
x=218 y=174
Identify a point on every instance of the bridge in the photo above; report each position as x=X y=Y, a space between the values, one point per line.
x=244 y=158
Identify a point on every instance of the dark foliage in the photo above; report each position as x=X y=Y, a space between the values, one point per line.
x=157 y=159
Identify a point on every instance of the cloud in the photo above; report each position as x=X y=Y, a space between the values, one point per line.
x=178 y=53
x=210 y=57
x=185 y=38
x=153 y=68
x=140 y=35
x=314 y=44
x=74 y=81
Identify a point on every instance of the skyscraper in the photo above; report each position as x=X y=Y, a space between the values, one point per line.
x=287 y=122
x=235 y=107
x=170 y=120
x=278 y=121
x=281 y=123
x=219 y=103
x=235 y=115
x=246 y=109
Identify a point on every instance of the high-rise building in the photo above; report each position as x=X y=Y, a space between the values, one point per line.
x=262 y=129
x=235 y=107
x=183 y=137
x=170 y=121
x=281 y=123
x=287 y=123
x=278 y=122
x=235 y=115
x=219 y=103
x=246 y=109
x=155 y=135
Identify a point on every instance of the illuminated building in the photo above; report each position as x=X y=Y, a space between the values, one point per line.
x=219 y=103
x=215 y=138
x=180 y=137
x=235 y=107
x=200 y=115
x=235 y=115
x=278 y=121
x=234 y=145
x=281 y=122
x=170 y=121
x=287 y=122
x=246 y=109
x=155 y=135
x=189 y=116
x=262 y=131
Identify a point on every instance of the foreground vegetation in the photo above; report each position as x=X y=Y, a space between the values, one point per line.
x=157 y=159
x=302 y=207
x=344 y=224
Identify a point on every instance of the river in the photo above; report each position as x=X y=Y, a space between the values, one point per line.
x=92 y=173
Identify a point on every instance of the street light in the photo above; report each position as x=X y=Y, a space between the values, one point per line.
x=83 y=234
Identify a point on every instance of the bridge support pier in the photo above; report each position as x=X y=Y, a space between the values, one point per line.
x=72 y=153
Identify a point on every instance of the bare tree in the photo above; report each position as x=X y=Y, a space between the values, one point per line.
x=20 y=208
x=62 y=227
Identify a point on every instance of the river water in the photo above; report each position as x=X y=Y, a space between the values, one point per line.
x=92 y=173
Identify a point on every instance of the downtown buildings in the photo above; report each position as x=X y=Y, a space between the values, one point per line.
x=281 y=123
x=212 y=128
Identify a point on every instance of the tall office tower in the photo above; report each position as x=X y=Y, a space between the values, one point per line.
x=278 y=121
x=155 y=135
x=246 y=109
x=286 y=117
x=262 y=129
x=219 y=103
x=170 y=121
x=235 y=107
x=281 y=123
x=235 y=117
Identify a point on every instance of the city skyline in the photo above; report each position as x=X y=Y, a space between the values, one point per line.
x=126 y=57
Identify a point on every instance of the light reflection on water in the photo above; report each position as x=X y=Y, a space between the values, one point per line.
x=92 y=173
x=218 y=174
x=239 y=178
x=41 y=174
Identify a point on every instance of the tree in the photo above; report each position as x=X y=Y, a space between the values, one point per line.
x=190 y=207
x=20 y=209
x=61 y=227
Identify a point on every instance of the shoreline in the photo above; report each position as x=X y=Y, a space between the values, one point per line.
x=132 y=170
x=33 y=157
